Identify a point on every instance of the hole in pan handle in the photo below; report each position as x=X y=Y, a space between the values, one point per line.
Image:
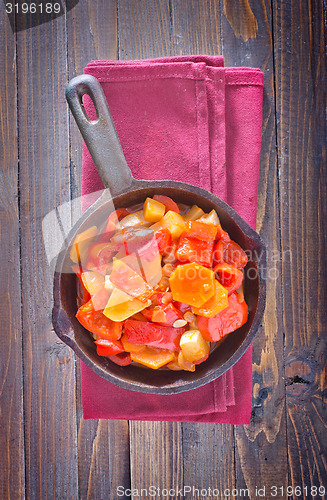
x=100 y=135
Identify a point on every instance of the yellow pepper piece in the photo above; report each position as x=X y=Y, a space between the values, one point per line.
x=153 y=210
x=173 y=365
x=211 y=218
x=193 y=346
x=124 y=310
x=78 y=251
x=152 y=358
x=192 y=284
x=185 y=365
x=215 y=304
x=92 y=280
x=129 y=347
x=134 y=219
x=193 y=213
x=171 y=221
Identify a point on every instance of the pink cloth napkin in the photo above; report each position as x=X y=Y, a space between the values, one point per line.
x=189 y=119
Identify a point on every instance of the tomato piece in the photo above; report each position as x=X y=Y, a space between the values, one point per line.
x=194 y=250
x=230 y=277
x=201 y=230
x=151 y=334
x=121 y=359
x=106 y=347
x=228 y=320
x=164 y=240
x=234 y=255
x=168 y=202
x=96 y=322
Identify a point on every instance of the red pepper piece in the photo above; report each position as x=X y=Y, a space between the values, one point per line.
x=199 y=361
x=194 y=250
x=182 y=307
x=143 y=332
x=201 y=230
x=234 y=255
x=168 y=202
x=221 y=234
x=147 y=313
x=228 y=320
x=166 y=315
x=121 y=359
x=100 y=299
x=164 y=298
x=164 y=240
x=96 y=322
x=230 y=277
x=218 y=253
x=112 y=219
x=83 y=297
x=107 y=347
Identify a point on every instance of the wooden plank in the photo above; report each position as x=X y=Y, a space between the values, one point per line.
x=301 y=99
x=103 y=446
x=195 y=27
x=155 y=447
x=49 y=368
x=143 y=29
x=208 y=449
x=156 y=456
x=247 y=41
x=12 y=480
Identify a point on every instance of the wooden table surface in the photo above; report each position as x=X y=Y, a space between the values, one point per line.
x=47 y=450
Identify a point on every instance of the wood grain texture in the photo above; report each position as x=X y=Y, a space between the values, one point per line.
x=263 y=442
x=91 y=34
x=301 y=99
x=155 y=447
x=103 y=446
x=143 y=29
x=211 y=444
x=12 y=480
x=208 y=458
x=156 y=455
x=49 y=369
x=204 y=18
x=103 y=461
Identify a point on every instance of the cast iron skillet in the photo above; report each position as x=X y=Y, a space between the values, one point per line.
x=102 y=141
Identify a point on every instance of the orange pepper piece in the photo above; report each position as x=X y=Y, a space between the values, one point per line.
x=153 y=358
x=215 y=304
x=192 y=284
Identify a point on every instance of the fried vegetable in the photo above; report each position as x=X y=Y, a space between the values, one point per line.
x=153 y=210
x=192 y=284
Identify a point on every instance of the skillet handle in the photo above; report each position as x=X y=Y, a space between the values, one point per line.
x=100 y=135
